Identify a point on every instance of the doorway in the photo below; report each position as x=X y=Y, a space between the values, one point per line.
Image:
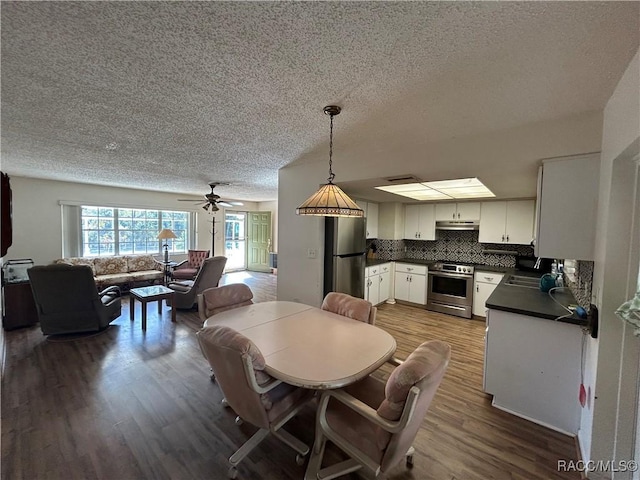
x=235 y=240
x=247 y=241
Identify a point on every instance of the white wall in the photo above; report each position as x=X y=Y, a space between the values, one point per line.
x=301 y=278
x=605 y=422
x=37 y=220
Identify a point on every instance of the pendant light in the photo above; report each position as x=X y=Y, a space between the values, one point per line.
x=330 y=200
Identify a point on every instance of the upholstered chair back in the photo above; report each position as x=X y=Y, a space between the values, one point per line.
x=348 y=306
x=68 y=301
x=226 y=297
x=196 y=257
x=208 y=276
x=423 y=369
x=228 y=351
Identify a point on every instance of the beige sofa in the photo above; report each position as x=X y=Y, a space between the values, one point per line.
x=126 y=271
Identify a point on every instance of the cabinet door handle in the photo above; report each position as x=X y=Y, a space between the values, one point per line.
x=478 y=288
x=507 y=238
x=458 y=216
x=380 y=278
x=489 y=279
x=503 y=238
x=407 y=278
x=410 y=278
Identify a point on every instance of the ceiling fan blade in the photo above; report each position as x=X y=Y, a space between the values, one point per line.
x=194 y=200
x=223 y=203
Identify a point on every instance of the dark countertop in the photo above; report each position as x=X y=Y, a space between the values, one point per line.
x=415 y=261
x=372 y=262
x=533 y=302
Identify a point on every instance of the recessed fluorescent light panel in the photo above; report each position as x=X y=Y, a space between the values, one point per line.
x=462 y=188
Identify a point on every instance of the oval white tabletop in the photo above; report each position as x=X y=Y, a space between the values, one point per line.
x=307 y=346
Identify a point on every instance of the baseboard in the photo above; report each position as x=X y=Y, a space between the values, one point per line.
x=534 y=420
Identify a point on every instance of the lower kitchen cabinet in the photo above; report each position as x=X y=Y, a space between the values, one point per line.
x=378 y=283
x=532 y=368
x=483 y=286
x=411 y=283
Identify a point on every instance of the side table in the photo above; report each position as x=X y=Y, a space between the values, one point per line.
x=19 y=309
x=150 y=294
x=168 y=268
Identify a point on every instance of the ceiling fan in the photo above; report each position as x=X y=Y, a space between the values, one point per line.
x=212 y=200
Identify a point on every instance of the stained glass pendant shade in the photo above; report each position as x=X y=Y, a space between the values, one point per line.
x=330 y=200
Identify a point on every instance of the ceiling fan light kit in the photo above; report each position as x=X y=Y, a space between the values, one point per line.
x=330 y=200
x=212 y=200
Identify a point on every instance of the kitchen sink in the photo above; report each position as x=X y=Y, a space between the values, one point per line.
x=523 y=281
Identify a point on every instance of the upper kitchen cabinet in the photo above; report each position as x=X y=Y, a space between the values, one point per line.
x=467 y=211
x=567 y=205
x=371 y=217
x=507 y=222
x=419 y=222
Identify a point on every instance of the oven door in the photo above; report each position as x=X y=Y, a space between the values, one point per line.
x=450 y=293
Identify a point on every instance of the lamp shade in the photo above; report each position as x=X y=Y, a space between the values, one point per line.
x=330 y=201
x=165 y=233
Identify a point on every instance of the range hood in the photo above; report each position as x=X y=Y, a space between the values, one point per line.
x=457 y=225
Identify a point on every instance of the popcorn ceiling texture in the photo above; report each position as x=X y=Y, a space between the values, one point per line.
x=178 y=94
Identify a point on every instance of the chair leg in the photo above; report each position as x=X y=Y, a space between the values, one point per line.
x=315 y=460
x=339 y=469
x=249 y=445
x=292 y=441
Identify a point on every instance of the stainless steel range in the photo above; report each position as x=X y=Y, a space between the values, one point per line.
x=450 y=289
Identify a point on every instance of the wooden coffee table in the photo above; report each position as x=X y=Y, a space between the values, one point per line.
x=151 y=294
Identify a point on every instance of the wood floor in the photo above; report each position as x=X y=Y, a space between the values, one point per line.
x=128 y=405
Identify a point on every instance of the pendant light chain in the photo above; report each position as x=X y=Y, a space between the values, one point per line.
x=331 y=174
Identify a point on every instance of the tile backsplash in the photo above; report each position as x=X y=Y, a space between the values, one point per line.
x=463 y=247
x=453 y=246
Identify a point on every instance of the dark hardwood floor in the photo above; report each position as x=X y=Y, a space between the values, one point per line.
x=131 y=405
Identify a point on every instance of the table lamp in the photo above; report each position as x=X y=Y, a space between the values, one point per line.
x=165 y=234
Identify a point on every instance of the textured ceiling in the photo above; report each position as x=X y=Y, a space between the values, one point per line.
x=169 y=96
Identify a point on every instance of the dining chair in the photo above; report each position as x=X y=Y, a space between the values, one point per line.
x=349 y=306
x=225 y=297
x=188 y=269
x=375 y=423
x=220 y=299
x=208 y=276
x=254 y=395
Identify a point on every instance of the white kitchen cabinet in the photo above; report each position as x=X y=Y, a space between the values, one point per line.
x=507 y=222
x=483 y=286
x=371 y=211
x=411 y=283
x=532 y=368
x=419 y=222
x=567 y=206
x=466 y=211
x=377 y=283
x=371 y=219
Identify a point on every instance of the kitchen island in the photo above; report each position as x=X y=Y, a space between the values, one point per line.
x=533 y=352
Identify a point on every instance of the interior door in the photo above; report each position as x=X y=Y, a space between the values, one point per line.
x=259 y=241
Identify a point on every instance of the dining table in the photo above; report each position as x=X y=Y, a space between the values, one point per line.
x=307 y=346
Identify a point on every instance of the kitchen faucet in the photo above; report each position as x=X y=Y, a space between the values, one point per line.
x=537 y=264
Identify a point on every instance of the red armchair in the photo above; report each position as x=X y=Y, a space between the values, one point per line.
x=188 y=269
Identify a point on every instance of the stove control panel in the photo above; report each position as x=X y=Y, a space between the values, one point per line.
x=453 y=268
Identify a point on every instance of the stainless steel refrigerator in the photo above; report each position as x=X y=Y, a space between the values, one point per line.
x=344 y=255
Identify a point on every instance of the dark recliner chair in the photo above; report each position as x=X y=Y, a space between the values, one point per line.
x=68 y=301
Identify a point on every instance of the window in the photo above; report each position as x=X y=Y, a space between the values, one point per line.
x=109 y=231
